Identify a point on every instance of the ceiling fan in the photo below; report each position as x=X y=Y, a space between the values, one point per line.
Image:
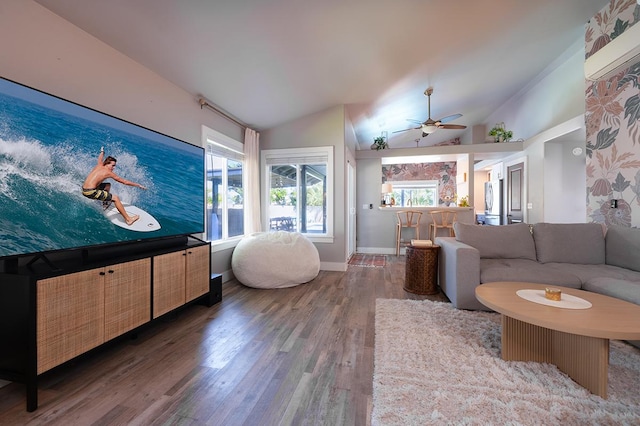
x=429 y=126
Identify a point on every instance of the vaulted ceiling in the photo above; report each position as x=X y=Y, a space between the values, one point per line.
x=270 y=62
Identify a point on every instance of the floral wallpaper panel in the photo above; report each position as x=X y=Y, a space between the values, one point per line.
x=613 y=125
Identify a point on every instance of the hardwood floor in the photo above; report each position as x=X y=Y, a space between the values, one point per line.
x=297 y=356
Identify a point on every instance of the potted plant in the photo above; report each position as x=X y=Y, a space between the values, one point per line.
x=500 y=134
x=379 y=143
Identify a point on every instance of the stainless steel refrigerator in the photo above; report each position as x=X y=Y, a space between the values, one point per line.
x=493 y=206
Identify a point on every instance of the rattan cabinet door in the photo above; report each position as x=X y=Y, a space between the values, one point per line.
x=168 y=282
x=127 y=297
x=70 y=316
x=197 y=272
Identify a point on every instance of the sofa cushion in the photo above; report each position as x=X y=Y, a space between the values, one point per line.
x=498 y=242
x=587 y=272
x=524 y=270
x=620 y=289
x=569 y=242
x=623 y=247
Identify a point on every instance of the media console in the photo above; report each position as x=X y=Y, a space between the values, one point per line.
x=58 y=306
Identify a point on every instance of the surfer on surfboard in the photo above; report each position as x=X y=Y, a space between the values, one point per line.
x=94 y=188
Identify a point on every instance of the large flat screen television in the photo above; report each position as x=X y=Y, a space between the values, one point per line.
x=49 y=145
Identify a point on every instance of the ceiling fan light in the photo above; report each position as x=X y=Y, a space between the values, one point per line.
x=429 y=129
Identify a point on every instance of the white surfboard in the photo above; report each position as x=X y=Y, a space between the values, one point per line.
x=146 y=223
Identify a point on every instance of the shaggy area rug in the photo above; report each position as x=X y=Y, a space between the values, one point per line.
x=368 y=260
x=435 y=364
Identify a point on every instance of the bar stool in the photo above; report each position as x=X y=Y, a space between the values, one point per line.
x=442 y=219
x=407 y=219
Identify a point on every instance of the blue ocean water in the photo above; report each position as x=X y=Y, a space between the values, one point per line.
x=47 y=148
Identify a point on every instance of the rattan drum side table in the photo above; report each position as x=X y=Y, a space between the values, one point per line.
x=421 y=270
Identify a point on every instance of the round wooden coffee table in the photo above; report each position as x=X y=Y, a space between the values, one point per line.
x=575 y=340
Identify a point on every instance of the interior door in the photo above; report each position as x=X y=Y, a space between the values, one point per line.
x=515 y=202
x=351 y=197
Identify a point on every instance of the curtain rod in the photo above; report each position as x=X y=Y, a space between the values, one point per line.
x=203 y=103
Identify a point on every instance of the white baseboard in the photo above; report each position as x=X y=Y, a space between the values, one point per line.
x=379 y=250
x=333 y=266
x=227 y=275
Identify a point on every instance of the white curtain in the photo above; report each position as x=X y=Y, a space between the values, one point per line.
x=252 y=220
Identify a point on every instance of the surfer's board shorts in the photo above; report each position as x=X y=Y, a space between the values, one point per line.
x=98 y=193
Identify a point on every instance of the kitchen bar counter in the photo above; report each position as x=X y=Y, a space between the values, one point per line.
x=464 y=214
x=427 y=209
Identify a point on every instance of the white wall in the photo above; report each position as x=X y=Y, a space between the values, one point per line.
x=536 y=192
x=41 y=50
x=552 y=106
x=321 y=129
x=552 y=206
x=564 y=182
x=554 y=97
x=375 y=227
x=350 y=201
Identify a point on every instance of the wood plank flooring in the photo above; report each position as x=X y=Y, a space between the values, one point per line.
x=297 y=356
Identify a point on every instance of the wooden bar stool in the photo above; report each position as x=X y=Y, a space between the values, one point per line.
x=407 y=219
x=442 y=219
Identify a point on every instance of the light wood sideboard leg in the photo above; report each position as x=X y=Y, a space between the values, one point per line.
x=584 y=359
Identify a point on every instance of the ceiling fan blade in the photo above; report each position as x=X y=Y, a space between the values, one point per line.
x=452 y=126
x=449 y=118
x=405 y=130
x=411 y=120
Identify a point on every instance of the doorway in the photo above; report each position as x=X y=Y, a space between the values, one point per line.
x=515 y=199
x=351 y=205
x=565 y=176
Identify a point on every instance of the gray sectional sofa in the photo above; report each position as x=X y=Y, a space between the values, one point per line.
x=579 y=255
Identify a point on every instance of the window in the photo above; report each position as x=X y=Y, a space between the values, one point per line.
x=224 y=187
x=422 y=193
x=298 y=191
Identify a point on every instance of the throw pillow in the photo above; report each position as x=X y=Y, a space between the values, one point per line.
x=498 y=242
x=581 y=243
x=623 y=247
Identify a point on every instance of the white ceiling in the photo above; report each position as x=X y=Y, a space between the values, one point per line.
x=269 y=62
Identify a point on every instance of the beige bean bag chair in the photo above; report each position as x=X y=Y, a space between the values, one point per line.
x=275 y=260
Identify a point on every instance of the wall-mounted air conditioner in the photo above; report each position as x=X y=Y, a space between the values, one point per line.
x=620 y=53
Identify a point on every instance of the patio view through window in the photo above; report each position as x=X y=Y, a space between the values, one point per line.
x=415 y=193
x=298 y=187
x=224 y=187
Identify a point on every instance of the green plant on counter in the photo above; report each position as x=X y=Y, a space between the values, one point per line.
x=464 y=202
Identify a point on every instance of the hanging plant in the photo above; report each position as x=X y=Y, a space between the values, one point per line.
x=500 y=134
